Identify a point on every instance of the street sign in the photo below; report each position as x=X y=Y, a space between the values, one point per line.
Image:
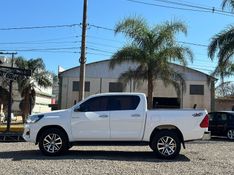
x=15 y=71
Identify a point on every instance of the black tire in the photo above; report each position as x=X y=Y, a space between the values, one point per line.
x=166 y=144
x=230 y=134
x=53 y=142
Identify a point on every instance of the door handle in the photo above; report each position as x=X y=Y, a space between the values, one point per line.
x=136 y=115
x=103 y=116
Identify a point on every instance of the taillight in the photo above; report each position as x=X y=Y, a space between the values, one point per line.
x=205 y=122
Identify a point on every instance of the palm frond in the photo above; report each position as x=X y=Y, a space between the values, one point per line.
x=127 y=54
x=137 y=76
x=27 y=85
x=175 y=79
x=228 y=3
x=220 y=39
x=133 y=27
x=226 y=52
x=166 y=32
x=176 y=53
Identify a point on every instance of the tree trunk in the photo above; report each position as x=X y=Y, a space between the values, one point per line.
x=26 y=106
x=150 y=90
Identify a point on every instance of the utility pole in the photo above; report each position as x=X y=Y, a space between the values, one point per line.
x=83 y=55
x=10 y=91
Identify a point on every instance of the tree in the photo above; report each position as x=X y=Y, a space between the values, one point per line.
x=225 y=89
x=153 y=48
x=27 y=86
x=222 y=46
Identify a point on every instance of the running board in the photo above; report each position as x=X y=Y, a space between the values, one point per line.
x=11 y=137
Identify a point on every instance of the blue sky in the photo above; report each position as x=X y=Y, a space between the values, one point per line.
x=101 y=43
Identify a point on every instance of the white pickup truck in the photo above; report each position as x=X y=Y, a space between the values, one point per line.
x=116 y=118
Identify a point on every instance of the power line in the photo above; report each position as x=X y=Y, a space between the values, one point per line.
x=92 y=53
x=194 y=44
x=40 y=27
x=199 y=69
x=41 y=49
x=100 y=44
x=38 y=43
x=100 y=27
x=106 y=28
x=99 y=50
x=106 y=39
x=44 y=40
x=212 y=10
x=188 y=2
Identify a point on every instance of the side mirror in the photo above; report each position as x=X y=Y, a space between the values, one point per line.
x=77 y=109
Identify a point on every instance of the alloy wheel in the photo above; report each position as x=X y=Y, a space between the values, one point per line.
x=230 y=134
x=52 y=143
x=166 y=146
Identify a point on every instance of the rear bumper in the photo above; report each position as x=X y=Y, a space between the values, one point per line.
x=206 y=135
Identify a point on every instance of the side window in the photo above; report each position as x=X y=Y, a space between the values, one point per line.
x=224 y=117
x=94 y=104
x=231 y=117
x=123 y=102
x=211 y=116
x=221 y=117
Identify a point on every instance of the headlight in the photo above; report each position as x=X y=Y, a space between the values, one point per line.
x=34 y=118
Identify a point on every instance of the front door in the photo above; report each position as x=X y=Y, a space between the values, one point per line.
x=90 y=120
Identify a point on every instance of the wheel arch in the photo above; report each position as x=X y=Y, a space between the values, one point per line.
x=170 y=128
x=49 y=127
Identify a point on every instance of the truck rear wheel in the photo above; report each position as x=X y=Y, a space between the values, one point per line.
x=53 y=142
x=166 y=144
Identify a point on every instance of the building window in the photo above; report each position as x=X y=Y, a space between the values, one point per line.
x=196 y=89
x=76 y=86
x=115 y=87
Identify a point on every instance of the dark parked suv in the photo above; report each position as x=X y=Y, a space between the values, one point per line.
x=222 y=124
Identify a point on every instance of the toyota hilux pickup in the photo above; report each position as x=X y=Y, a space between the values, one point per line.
x=116 y=118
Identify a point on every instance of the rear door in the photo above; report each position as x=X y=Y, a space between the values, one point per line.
x=126 y=117
x=231 y=121
x=221 y=124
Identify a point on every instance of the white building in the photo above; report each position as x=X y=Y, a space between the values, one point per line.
x=99 y=79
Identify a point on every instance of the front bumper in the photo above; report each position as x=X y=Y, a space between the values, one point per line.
x=28 y=134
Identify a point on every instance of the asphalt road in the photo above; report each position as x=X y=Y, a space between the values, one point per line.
x=200 y=157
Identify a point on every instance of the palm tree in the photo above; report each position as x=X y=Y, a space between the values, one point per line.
x=152 y=48
x=27 y=86
x=222 y=46
x=228 y=3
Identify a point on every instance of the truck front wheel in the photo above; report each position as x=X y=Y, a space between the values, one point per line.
x=53 y=142
x=166 y=144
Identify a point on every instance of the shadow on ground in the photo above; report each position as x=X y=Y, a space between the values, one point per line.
x=213 y=140
x=88 y=154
